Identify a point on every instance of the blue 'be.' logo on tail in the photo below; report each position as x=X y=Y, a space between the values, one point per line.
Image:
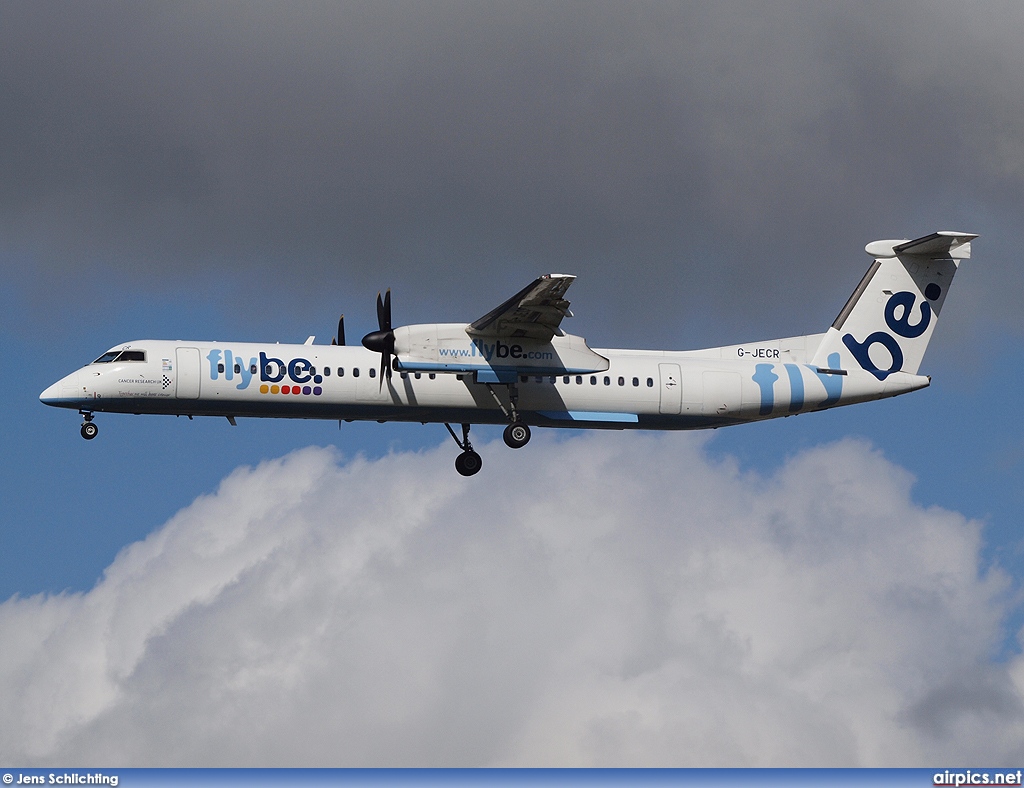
x=900 y=326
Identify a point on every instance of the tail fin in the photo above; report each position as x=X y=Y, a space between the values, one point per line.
x=887 y=323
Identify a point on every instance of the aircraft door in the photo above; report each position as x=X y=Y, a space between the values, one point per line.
x=188 y=374
x=671 y=389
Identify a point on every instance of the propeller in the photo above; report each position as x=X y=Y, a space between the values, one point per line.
x=340 y=339
x=383 y=340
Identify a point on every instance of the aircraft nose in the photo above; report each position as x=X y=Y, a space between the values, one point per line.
x=50 y=394
x=61 y=392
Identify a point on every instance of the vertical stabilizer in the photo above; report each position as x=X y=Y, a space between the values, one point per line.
x=886 y=325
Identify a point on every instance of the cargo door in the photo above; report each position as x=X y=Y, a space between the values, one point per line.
x=721 y=393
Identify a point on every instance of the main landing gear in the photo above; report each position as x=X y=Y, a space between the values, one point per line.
x=469 y=462
x=89 y=430
x=516 y=435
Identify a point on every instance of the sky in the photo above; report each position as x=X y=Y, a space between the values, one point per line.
x=840 y=589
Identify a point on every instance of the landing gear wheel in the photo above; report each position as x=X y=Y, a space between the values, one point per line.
x=89 y=430
x=516 y=435
x=468 y=463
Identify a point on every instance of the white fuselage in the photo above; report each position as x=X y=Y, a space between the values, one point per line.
x=639 y=389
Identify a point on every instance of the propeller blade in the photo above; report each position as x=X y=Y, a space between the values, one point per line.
x=383 y=339
x=341 y=330
x=384 y=311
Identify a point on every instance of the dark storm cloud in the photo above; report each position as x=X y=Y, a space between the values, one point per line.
x=709 y=155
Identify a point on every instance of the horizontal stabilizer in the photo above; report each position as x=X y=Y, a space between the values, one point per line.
x=945 y=244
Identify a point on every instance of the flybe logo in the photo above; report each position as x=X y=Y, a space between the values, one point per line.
x=898 y=315
x=498 y=349
x=272 y=371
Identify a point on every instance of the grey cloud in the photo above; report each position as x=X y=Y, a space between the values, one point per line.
x=691 y=157
x=642 y=606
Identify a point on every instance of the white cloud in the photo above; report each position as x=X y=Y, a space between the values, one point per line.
x=606 y=600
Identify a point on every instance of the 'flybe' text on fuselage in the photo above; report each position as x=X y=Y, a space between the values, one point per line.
x=224 y=363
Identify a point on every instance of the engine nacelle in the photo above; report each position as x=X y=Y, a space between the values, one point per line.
x=446 y=347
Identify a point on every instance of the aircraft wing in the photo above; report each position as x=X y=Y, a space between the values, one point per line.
x=534 y=312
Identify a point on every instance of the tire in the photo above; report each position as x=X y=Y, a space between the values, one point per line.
x=89 y=430
x=516 y=435
x=468 y=463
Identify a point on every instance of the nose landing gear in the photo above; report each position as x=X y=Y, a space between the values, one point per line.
x=89 y=430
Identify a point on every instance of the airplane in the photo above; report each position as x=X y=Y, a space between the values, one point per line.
x=516 y=366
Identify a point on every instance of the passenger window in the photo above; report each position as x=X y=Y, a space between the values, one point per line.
x=327 y=372
x=432 y=375
x=417 y=375
x=622 y=381
x=579 y=380
x=524 y=379
x=565 y=379
x=636 y=381
x=341 y=372
x=252 y=369
x=355 y=372
x=405 y=376
x=607 y=380
x=650 y=383
x=539 y=379
x=593 y=380
x=220 y=367
x=373 y=372
x=238 y=369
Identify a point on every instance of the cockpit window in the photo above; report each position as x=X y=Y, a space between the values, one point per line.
x=121 y=355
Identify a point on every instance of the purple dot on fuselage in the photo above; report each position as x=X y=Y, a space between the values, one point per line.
x=317 y=390
x=305 y=389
